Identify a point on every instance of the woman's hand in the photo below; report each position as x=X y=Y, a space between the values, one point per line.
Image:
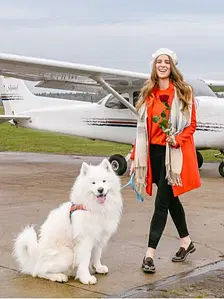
x=131 y=168
x=171 y=140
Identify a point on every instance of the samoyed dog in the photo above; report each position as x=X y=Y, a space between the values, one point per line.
x=72 y=238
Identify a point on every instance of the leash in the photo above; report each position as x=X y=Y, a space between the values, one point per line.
x=131 y=182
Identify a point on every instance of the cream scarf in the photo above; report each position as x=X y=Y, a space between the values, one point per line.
x=174 y=159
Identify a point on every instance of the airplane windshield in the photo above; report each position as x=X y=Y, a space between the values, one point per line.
x=201 y=88
x=114 y=103
x=100 y=101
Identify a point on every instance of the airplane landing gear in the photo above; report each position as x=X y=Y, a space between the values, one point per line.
x=200 y=159
x=221 y=169
x=221 y=165
x=118 y=163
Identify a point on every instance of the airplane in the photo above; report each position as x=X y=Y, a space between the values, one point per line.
x=113 y=118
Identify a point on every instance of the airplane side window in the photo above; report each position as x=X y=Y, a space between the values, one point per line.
x=115 y=103
x=135 y=97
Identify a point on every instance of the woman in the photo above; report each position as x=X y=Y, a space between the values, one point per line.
x=166 y=157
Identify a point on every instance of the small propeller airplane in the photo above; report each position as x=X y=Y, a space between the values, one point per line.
x=112 y=118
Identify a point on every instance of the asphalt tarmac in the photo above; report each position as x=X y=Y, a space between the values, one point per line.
x=33 y=184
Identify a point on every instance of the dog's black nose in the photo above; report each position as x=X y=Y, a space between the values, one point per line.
x=100 y=189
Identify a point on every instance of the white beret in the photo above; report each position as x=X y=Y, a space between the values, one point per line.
x=165 y=51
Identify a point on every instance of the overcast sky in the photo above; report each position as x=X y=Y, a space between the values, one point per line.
x=117 y=33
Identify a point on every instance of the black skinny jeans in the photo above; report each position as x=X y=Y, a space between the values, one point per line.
x=164 y=201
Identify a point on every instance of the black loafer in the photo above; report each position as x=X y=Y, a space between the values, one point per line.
x=182 y=253
x=148 y=265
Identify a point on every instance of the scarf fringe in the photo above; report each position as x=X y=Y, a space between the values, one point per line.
x=173 y=164
x=140 y=175
x=173 y=179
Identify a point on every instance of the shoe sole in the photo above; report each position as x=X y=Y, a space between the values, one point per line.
x=182 y=260
x=148 y=270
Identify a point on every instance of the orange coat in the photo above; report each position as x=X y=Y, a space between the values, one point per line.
x=190 y=173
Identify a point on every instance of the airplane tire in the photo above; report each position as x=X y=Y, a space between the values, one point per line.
x=221 y=169
x=200 y=159
x=118 y=163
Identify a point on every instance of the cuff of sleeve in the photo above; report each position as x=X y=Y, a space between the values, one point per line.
x=132 y=156
x=178 y=141
x=176 y=146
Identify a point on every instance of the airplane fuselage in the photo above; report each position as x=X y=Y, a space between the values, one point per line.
x=97 y=121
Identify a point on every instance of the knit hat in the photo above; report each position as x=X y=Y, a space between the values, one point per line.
x=165 y=51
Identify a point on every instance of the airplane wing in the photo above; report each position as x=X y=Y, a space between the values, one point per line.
x=80 y=77
x=15 y=118
x=215 y=85
x=73 y=76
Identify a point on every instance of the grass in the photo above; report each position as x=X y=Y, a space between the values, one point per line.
x=27 y=140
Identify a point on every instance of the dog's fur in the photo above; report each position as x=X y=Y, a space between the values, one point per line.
x=73 y=247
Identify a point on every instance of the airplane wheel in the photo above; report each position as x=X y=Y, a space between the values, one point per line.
x=118 y=163
x=200 y=159
x=221 y=169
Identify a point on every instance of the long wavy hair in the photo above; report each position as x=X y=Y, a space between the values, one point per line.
x=184 y=90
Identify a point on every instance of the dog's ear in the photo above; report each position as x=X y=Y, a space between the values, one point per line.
x=106 y=164
x=84 y=168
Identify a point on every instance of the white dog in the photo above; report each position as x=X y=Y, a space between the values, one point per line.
x=72 y=238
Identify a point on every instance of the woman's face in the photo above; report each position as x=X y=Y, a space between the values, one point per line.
x=163 y=66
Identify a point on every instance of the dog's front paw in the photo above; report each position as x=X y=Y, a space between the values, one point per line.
x=88 y=279
x=59 y=277
x=102 y=269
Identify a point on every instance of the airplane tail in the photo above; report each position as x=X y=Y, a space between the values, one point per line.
x=15 y=96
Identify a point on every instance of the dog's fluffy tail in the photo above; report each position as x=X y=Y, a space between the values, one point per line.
x=25 y=249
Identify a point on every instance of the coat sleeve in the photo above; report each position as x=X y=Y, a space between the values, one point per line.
x=188 y=131
x=133 y=152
